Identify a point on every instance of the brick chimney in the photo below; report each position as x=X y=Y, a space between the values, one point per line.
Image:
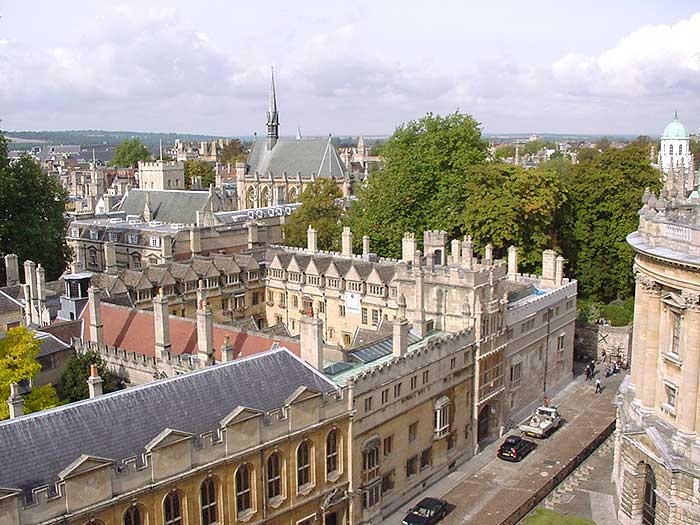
x=110 y=257
x=11 y=269
x=15 y=402
x=95 y=311
x=205 y=328
x=311 y=240
x=94 y=382
x=399 y=340
x=346 y=241
x=161 y=325
x=311 y=341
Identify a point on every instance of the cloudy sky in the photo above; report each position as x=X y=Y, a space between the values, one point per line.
x=349 y=67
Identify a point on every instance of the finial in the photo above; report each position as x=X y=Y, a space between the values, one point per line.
x=675 y=115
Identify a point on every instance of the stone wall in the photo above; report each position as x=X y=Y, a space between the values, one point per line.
x=593 y=339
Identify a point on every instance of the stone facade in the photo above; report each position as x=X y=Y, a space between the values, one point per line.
x=657 y=461
x=594 y=339
x=160 y=175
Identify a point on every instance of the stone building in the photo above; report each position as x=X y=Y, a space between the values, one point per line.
x=657 y=449
x=359 y=160
x=207 y=447
x=278 y=170
x=675 y=158
x=161 y=175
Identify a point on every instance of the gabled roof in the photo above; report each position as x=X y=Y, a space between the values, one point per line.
x=308 y=157
x=8 y=303
x=133 y=330
x=36 y=448
x=168 y=206
x=159 y=276
x=183 y=272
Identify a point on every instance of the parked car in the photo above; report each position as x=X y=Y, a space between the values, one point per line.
x=426 y=512
x=515 y=448
x=543 y=421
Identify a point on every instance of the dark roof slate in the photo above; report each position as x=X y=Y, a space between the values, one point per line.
x=36 y=447
x=168 y=206
x=307 y=157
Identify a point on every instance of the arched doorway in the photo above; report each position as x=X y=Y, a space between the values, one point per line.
x=649 y=505
x=487 y=416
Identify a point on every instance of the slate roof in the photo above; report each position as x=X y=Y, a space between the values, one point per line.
x=50 y=344
x=36 y=447
x=169 y=206
x=8 y=302
x=307 y=156
x=133 y=330
x=65 y=330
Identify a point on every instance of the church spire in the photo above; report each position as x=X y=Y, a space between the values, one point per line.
x=273 y=121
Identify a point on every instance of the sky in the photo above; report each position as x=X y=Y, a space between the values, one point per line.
x=352 y=67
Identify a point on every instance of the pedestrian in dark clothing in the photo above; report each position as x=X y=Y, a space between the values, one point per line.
x=598 y=388
x=592 y=367
x=602 y=356
x=588 y=372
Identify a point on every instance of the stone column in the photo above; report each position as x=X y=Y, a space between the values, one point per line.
x=467 y=253
x=688 y=393
x=456 y=247
x=652 y=345
x=195 y=241
x=639 y=337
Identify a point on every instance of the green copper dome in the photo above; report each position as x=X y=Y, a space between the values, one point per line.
x=675 y=130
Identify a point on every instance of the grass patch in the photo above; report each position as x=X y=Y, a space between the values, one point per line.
x=550 y=517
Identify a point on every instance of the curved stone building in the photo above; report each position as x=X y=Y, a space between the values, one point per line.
x=657 y=449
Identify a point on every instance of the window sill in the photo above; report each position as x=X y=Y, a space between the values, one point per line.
x=333 y=476
x=439 y=434
x=672 y=358
x=305 y=489
x=668 y=409
x=246 y=515
x=276 y=501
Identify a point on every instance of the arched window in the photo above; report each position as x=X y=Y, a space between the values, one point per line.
x=136 y=260
x=649 y=506
x=250 y=198
x=265 y=197
x=243 y=499
x=293 y=194
x=303 y=464
x=274 y=476
x=680 y=149
x=132 y=516
x=332 y=452
x=172 y=510
x=207 y=498
x=670 y=149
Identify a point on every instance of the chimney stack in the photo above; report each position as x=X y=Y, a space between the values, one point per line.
x=418 y=313
x=456 y=256
x=311 y=341
x=11 y=269
x=512 y=263
x=195 y=241
x=346 y=241
x=30 y=279
x=110 y=257
x=401 y=303
x=488 y=254
x=253 y=239
x=161 y=324
x=41 y=296
x=166 y=248
x=95 y=311
x=468 y=252
x=94 y=382
x=549 y=258
x=399 y=340
x=227 y=352
x=27 y=304
x=408 y=247
x=205 y=328
x=15 y=402
x=311 y=240
x=559 y=270
x=365 y=246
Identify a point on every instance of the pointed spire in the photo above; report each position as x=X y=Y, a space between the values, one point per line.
x=147 y=212
x=273 y=121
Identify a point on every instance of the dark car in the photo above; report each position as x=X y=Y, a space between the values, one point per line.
x=426 y=512
x=515 y=448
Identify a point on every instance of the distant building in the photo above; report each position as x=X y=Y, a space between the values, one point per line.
x=675 y=159
x=161 y=175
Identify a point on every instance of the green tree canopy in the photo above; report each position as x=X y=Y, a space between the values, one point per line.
x=32 y=205
x=509 y=205
x=503 y=152
x=129 y=153
x=199 y=168
x=232 y=152
x=73 y=383
x=18 y=352
x=604 y=196
x=420 y=186
x=320 y=209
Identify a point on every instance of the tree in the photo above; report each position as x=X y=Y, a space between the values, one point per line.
x=503 y=152
x=604 y=196
x=509 y=205
x=420 y=186
x=129 y=153
x=18 y=352
x=320 y=208
x=232 y=152
x=32 y=205
x=73 y=383
x=199 y=168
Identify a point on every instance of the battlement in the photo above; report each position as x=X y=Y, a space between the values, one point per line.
x=530 y=305
x=161 y=165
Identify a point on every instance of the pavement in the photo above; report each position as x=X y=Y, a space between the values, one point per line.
x=486 y=490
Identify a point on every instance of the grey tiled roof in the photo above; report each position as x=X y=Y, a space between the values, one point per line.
x=8 y=303
x=169 y=206
x=307 y=156
x=36 y=447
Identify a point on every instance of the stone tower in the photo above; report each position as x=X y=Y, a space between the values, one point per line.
x=273 y=121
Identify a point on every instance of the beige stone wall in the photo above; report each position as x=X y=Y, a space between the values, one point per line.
x=594 y=339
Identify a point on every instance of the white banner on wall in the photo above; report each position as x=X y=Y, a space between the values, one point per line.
x=352 y=302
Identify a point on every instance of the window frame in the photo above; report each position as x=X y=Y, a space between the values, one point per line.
x=172 y=505
x=209 y=507
x=243 y=491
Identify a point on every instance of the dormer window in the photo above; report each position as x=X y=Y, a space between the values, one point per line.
x=132 y=238
x=75 y=232
x=253 y=275
x=232 y=278
x=354 y=286
x=295 y=277
x=94 y=235
x=211 y=282
x=376 y=289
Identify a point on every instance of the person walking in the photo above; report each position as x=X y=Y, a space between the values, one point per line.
x=598 y=388
x=588 y=372
x=592 y=367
